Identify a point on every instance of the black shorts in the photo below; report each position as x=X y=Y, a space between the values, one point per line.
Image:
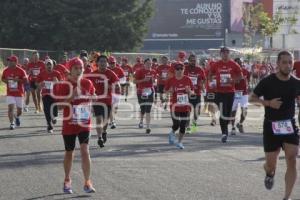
x=125 y=84
x=210 y=97
x=145 y=103
x=102 y=110
x=195 y=100
x=70 y=140
x=161 y=89
x=33 y=85
x=274 y=142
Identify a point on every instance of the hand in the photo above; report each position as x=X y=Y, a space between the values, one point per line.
x=187 y=89
x=275 y=103
x=55 y=79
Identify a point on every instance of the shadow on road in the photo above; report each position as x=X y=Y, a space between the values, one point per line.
x=58 y=195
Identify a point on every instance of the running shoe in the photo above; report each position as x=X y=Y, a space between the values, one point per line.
x=104 y=137
x=141 y=125
x=54 y=120
x=224 y=138
x=36 y=111
x=113 y=125
x=180 y=145
x=17 y=121
x=50 y=129
x=26 y=109
x=148 y=130
x=100 y=142
x=233 y=131
x=240 y=127
x=88 y=187
x=12 y=126
x=188 y=130
x=172 y=137
x=67 y=187
x=269 y=182
x=213 y=123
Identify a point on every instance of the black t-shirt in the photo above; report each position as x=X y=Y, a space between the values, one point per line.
x=271 y=87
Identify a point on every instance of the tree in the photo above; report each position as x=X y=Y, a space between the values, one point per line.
x=118 y=25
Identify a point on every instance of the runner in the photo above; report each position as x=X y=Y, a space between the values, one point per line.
x=227 y=73
x=154 y=67
x=279 y=92
x=144 y=78
x=104 y=81
x=180 y=87
x=76 y=94
x=197 y=75
x=14 y=77
x=65 y=61
x=86 y=65
x=128 y=74
x=46 y=80
x=138 y=65
x=263 y=70
x=116 y=93
x=36 y=66
x=27 y=84
x=163 y=73
x=240 y=98
x=63 y=71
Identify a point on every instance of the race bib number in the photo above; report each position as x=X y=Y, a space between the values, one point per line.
x=81 y=113
x=238 y=94
x=48 y=85
x=182 y=99
x=123 y=80
x=126 y=73
x=283 y=127
x=12 y=84
x=164 y=75
x=225 y=79
x=213 y=83
x=194 y=80
x=147 y=92
x=36 y=72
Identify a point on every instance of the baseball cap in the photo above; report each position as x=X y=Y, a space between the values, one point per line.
x=48 y=61
x=13 y=58
x=75 y=61
x=223 y=49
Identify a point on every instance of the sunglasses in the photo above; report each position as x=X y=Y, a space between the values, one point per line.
x=180 y=68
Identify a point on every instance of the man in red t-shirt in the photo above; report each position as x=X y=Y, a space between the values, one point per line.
x=36 y=66
x=163 y=74
x=197 y=75
x=138 y=65
x=14 y=77
x=180 y=88
x=86 y=66
x=105 y=82
x=128 y=71
x=117 y=93
x=144 y=78
x=227 y=73
x=74 y=96
x=296 y=68
x=240 y=98
x=46 y=80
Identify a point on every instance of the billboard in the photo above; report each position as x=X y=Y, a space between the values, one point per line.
x=188 y=20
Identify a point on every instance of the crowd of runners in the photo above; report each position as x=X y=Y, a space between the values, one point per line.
x=91 y=85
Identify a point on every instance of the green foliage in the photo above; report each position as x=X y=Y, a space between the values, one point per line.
x=112 y=25
x=269 y=26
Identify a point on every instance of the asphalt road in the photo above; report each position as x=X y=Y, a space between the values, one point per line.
x=134 y=165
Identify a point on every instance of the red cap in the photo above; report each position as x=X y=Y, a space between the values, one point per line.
x=181 y=54
x=13 y=58
x=111 y=59
x=178 y=65
x=75 y=61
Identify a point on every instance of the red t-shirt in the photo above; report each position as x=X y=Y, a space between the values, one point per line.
x=154 y=66
x=127 y=71
x=263 y=70
x=197 y=76
x=137 y=67
x=66 y=65
x=62 y=70
x=103 y=82
x=78 y=119
x=179 y=98
x=242 y=86
x=14 y=88
x=143 y=86
x=225 y=72
x=120 y=74
x=163 y=73
x=35 y=69
x=297 y=68
x=47 y=80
